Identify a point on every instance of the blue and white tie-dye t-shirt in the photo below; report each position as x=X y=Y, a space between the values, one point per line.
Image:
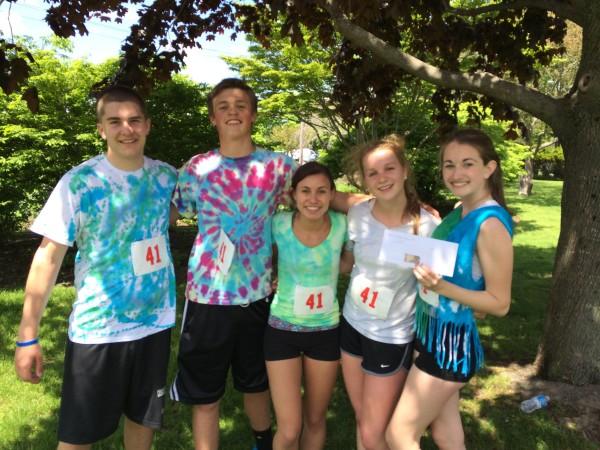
x=236 y=198
x=119 y=220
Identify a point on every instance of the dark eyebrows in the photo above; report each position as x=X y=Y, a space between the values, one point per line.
x=237 y=102
x=323 y=186
x=464 y=160
x=139 y=116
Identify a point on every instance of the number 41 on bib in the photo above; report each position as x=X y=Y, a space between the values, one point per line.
x=149 y=255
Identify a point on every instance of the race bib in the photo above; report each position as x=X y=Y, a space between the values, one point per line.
x=429 y=296
x=149 y=255
x=374 y=300
x=225 y=252
x=313 y=300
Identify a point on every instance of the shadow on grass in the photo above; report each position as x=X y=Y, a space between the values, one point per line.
x=499 y=424
x=525 y=226
x=515 y=338
x=42 y=437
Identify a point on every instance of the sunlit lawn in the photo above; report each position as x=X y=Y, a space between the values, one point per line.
x=28 y=414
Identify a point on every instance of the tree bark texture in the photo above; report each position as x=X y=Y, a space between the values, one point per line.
x=570 y=348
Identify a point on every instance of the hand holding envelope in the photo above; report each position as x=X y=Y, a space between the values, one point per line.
x=429 y=258
x=408 y=250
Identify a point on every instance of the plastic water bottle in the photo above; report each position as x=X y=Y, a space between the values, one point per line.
x=533 y=403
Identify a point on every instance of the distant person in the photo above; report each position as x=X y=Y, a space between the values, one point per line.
x=378 y=317
x=234 y=191
x=115 y=207
x=302 y=339
x=450 y=350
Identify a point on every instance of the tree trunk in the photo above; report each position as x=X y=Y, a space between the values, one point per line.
x=526 y=180
x=570 y=348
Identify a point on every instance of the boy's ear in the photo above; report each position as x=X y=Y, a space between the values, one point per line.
x=100 y=129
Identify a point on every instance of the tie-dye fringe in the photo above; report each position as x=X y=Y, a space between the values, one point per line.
x=447 y=336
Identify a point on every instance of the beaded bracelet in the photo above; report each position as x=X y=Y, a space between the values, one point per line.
x=27 y=343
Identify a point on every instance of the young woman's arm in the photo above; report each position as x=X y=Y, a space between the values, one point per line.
x=343 y=201
x=494 y=248
x=346 y=261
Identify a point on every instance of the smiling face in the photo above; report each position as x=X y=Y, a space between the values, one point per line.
x=233 y=114
x=465 y=173
x=383 y=174
x=124 y=127
x=312 y=196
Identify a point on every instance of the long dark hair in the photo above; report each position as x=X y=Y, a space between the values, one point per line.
x=485 y=147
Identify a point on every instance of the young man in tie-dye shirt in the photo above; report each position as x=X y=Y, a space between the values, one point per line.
x=233 y=191
x=115 y=207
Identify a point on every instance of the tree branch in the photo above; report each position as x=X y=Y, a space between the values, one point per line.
x=530 y=100
x=548 y=144
x=561 y=9
x=336 y=125
x=315 y=128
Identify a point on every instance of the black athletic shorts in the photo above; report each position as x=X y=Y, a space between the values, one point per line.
x=378 y=358
x=214 y=338
x=103 y=381
x=320 y=345
x=427 y=363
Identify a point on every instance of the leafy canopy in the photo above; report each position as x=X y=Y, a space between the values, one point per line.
x=507 y=42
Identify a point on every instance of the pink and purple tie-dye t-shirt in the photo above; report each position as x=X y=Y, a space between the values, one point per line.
x=239 y=197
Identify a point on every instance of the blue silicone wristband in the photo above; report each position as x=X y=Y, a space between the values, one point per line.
x=27 y=343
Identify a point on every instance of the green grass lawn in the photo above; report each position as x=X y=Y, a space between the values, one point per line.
x=28 y=413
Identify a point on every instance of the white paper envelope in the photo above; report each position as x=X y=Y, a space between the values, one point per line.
x=406 y=249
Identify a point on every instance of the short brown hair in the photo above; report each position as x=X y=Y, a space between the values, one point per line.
x=231 y=83
x=118 y=94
